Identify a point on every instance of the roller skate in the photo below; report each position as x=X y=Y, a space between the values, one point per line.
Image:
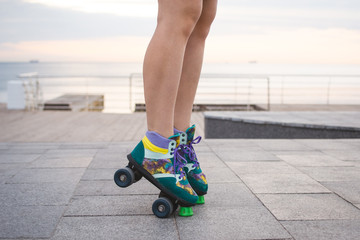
x=192 y=168
x=158 y=160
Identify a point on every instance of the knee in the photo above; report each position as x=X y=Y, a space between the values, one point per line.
x=183 y=15
x=203 y=25
x=191 y=15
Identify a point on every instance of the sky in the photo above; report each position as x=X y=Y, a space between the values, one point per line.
x=266 y=31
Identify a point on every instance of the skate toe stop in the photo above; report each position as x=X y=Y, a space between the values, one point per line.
x=201 y=200
x=186 y=212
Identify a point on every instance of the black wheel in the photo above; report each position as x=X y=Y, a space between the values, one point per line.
x=124 y=177
x=138 y=175
x=162 y=207
x=175 y=204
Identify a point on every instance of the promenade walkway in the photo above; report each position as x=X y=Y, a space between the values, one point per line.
x=62 y=187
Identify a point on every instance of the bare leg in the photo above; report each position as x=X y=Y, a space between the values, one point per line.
x=193 y=60
x=163 y=61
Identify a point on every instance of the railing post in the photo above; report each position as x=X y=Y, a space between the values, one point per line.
x=282 y=90
x=328 y=92
x=249 y=94
x=268 y=93
x=130 y=91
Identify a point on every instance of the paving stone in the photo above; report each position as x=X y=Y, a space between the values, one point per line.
x=114 y=227
x=219 y=149
x=230 y=145
x=108 y=187
x=241 y=168
x=6 y=174
x=281 y=145
x=309 y=206
x=111 y=205
x=99 y=174
x=326 y=144
x=329 y=174
x=324 y=230
x=18 y=158
x=356 y=163
x=347 y=155
x=76 y=145
x=37 y=145
x=4 y=146
x=248 y=222
x=28 y=150
x=246 y=155
x=18 y=166
x=220 y=175
x=209 y=160
x=357 y=205
x=284 y=152
x=347 y=190
x=230 y=195
x=29 y=221
x=49 y=194
x=282 y=183
x=313 y=160
x=352 y=141
x=109 y=160
x=230 y=142
x=60 y=162
x=42 y=175
x=125 y=147
x=70 y=153
x=201 y=147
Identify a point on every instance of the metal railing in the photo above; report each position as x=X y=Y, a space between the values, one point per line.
x=219 y=89
x=122 y=92
x=33 y=91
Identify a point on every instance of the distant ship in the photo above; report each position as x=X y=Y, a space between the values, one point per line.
x=34 y=61
x=253 y=62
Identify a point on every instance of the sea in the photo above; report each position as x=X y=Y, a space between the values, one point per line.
x=226 y=83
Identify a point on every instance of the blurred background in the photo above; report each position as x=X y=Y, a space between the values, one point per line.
x=263 y=52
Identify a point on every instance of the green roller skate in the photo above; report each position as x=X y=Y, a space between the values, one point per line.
x=158 y=160
x=192 y=168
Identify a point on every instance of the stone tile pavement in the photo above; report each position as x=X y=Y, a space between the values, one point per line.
x=259 y=189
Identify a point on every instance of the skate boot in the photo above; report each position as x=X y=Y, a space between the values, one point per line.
x=158 y=160
x=192 y=168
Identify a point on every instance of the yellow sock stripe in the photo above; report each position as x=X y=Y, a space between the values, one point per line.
x=148 y=145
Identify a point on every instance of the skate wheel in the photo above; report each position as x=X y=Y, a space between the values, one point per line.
x=201 y=200
x=185 y=212
x=162 y=207
x=175 y=204
x=124 y=177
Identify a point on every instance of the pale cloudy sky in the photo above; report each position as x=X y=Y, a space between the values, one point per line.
x=269 y=31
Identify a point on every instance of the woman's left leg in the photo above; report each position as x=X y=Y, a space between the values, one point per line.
x=190 y=75
x=192 y=65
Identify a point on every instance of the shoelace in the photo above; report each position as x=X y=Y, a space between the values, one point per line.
x=189 y=150
x=179 y=161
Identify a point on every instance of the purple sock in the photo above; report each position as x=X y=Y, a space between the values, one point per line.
x=177 y=131
x=157 y=139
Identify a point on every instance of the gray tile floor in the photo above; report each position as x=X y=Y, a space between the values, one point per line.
x=259 y=189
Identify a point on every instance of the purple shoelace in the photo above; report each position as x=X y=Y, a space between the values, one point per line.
x=179 y=161
x=189 y=150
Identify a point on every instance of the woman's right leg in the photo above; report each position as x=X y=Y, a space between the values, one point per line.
x=164 y=59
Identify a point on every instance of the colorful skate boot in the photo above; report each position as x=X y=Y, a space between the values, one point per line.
x=159 y=161
x=192 y=168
